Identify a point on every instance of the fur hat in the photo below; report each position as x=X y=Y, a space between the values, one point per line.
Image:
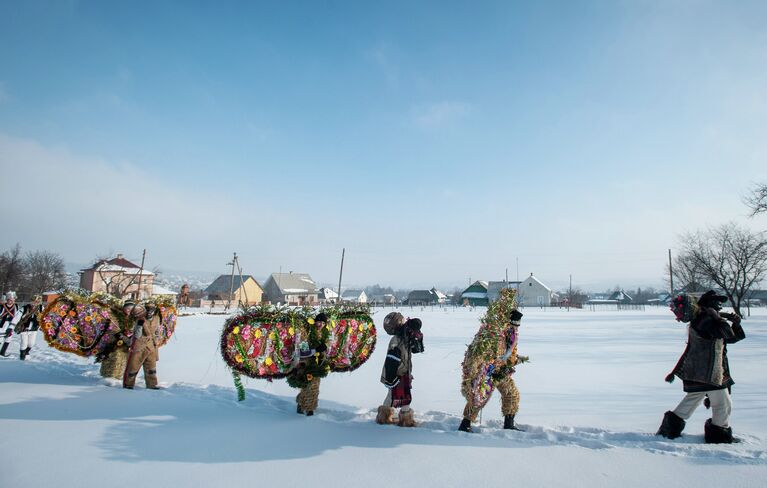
x=11 y=295
x=711 y=299
x=393 y=322
x=321 y=317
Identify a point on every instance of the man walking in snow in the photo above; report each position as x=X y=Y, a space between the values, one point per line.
x=143 y=351
x=703 y=367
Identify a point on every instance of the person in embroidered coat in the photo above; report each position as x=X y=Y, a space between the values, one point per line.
x=703 y=367
x=9 y=317
x=28 y=326
x=144 y=350
x=398 y=367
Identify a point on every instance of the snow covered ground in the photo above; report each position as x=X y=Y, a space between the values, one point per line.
x=592 y=397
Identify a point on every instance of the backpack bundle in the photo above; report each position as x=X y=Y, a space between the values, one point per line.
x=684 y=307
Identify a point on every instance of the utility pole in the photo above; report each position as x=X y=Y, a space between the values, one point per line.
x=231 y=282
x=341 y=274
x=670 y=272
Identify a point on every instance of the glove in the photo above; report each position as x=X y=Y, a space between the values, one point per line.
x=516 y=315
x=670 y=378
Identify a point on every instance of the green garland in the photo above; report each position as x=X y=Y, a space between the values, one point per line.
x=238 y=386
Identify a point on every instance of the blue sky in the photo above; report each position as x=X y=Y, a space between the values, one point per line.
x=437 y=142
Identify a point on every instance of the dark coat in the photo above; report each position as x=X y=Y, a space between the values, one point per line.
x=703 y=366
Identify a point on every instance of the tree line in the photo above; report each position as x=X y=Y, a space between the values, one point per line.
x=31 y=273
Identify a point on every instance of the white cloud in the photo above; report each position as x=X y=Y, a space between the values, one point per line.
x=441 y=114
x=80 y=207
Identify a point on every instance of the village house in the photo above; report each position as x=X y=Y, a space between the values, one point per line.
x=385 y=299
x=533 y=293
x=326 y=295
x=243 y=290
x=291 y=289
x=119 y=277
x=426 y=297
x=354 y=296
x=475 y=294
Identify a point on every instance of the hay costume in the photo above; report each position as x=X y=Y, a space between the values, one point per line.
x=10 y=315
x=490 y=361
x=396 y=374
x=271 y=343
x=311 y=367
x=144 y=345
x=703 y=367
x=96 y=325
x=27 y=327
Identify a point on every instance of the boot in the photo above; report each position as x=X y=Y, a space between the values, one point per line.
x=717 y=435
x=298 y=410
x=672 y=426
x=508 y=423
x=465 y=425
x=22 y=354
x=385 y=415
x=27 y=351
x=406 y=419
x=3 y=349
x=310 y=413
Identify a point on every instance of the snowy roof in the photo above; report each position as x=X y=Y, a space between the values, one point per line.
x=473 y=294
x=161 y=290
x=294 y=282
x=352 y=294
x=328 y=293
x=107 y=268
x=223 y=283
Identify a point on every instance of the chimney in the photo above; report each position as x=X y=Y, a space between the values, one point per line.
x=119 y=256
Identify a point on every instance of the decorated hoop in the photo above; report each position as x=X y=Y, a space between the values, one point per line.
x=265 y=342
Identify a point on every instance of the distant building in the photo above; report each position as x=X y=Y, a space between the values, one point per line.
x=327 y=295
x=620 y=297
x=494 y=288
x=385 y=299
x=291 y=289
x=354 y=296
x=532 y=293
x=119 y=277
x=161 y=291
x=475 y=294
x=426 y=297
x=246 y=291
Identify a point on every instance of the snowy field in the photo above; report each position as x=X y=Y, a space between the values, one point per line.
x=592 y=397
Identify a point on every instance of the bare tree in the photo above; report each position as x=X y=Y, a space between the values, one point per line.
x=757 y=199
x=116 y=279
x=688 y=276
x=11 y=269
x=44 y=271
x=730 y=256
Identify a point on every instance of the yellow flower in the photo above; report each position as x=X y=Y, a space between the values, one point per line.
x=120 y=342
x=268 y=361
x=291 y=331
x=73 y=329
x=258 y=333
x=238 y=358
x=311 y=321
x=273 y=336
x=88 y=318
x=365 y=352
x=309 y=377
x=361 y=328
x=236 y=330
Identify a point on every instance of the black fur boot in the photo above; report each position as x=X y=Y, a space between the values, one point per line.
x=672 y=426
x=465 y=426
x=3 y=349
x=22 y=354
x=717 y=435
x=508 y=423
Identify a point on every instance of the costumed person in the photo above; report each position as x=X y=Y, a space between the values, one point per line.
x=703 y=367
x=490 y=361
x=28 y=326
x=143 y=350
x=311 y=360
x=9 y=317
x=406 y=340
